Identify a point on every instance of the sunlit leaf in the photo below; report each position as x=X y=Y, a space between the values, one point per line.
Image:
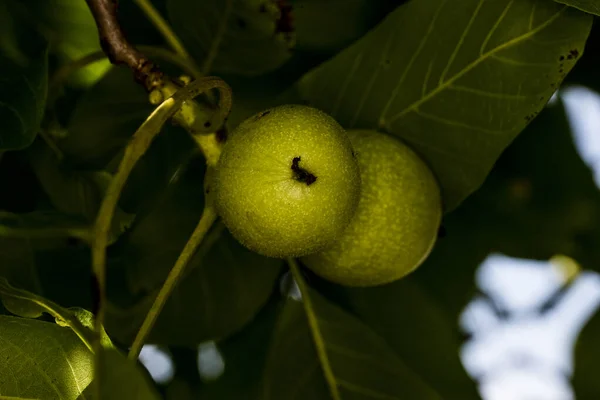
x=456 y=80
x=334 y=356
x=237 y=36
x=41 y=360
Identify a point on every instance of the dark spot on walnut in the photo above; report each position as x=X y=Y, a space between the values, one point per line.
x=241 y=23
x=207 y=124
x=561 y=58
x=300 y=174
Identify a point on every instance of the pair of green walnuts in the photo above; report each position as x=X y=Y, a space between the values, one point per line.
x=358 y=208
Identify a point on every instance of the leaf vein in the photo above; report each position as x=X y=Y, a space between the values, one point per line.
x=469 y=67
x=460 y=42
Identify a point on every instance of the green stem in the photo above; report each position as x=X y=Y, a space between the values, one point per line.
x=136 y=148
x=315 y=330
x=163 y=27
x=209 y=216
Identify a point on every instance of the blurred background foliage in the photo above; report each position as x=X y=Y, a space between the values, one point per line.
x=539 y=200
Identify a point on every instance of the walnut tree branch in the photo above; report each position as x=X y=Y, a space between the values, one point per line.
x=117 y=47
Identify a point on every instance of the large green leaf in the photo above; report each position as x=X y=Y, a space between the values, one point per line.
x=225 y=288
x=422 y=334
x=23 y=90
x=17 y=261
x=589 y=6
x=321 y=352
x=237 y=36
x=244 y=355
x=331 y=25
x=75 y=193
x=42 y=360
x=457 y=80
x=121 y=379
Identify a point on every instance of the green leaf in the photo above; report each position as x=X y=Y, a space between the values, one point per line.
x=587 y=360
x=17 y=260
x=456 y=80
x=320 y=352
x=42 y=360
x=121 y=379
x=224 y=289
x=72 y=33
x=23 y=91
x=588 y=6
x=75 y=193
x=234 y=36
x=422 y=334
x=245 y=355
x=28 y=305
x=330 y=25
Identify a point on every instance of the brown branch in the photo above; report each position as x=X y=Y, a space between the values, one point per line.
x=116 y=46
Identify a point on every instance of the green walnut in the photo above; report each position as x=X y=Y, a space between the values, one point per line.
x=287 y=183
x=397 y=220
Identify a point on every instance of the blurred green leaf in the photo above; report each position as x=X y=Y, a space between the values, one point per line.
x=122 y=379
x=245 y=355
x=41 y=360
x=72 y=33
x=224 y=289
x=360 y=364
x=104 y=119
x=245 y=37
x=17 y=262
x=23 y=91
x=587 y=361
x=541 y=198
x=331 y=25
x=457 y=81
x=589 y=6
x=76 y=193
x=423 y=334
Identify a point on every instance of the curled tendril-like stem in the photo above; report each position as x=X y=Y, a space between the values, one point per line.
x=136 y=148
